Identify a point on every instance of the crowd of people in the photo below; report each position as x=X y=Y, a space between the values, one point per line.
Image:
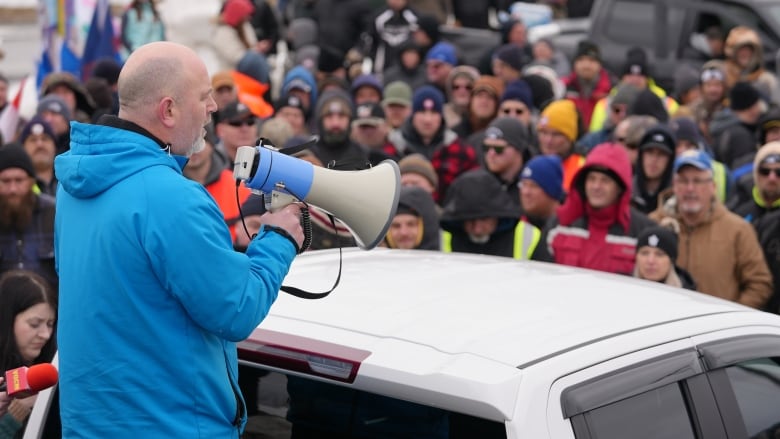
x=526 y=154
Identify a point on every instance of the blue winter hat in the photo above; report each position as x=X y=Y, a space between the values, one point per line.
x=427 y=97
x=547 y=172
x=444 y=52
x=366 y=80
x=693 y=157
x=519 y=91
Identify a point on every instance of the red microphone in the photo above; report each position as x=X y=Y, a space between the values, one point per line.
x=27 y=381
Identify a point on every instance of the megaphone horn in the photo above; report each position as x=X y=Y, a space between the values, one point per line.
x=365 y=201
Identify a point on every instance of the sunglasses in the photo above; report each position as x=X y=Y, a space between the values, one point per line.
x=764 y=172
x=513 y=111
x=243 y=122
x=498 y=149
x=711 y=74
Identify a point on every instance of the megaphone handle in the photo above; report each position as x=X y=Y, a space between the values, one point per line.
x=307 y=230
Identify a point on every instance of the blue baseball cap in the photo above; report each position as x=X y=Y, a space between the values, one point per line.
x=693 y=157
x=444 y=52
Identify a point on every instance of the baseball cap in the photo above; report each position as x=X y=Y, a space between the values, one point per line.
x=222 y=79
x=399 y=93
x=235 y=110
x=369 y=114
x=693 y=157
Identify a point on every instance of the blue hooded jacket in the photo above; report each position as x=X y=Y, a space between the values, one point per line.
x=152 y=295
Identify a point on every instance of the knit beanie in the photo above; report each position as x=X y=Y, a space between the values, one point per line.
x=561 y=116
x=235 y=11
x=770 y=119
x=491 y=84
x=13 y=155
x=519 y=91
x=334 y=101
x=417 y=164
x=587 y=48
x=685 y=128
x=36 y=125
x=743 y=96
x=659 y=237
x=429 y=25
x=636 y=62
x=55 y=104
x=547 y=172
x=769 y=153
x=511 y=130
x=366 y=80
x=427 y=97
x=511 y=55
x=541 y=89
x=648 y=103
x=626 y=94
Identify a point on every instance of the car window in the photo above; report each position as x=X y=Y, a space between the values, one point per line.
x=659 y=413
x=756 y=386
x=295 y=406
x=632 y=21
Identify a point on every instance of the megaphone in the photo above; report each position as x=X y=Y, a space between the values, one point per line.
x=365 y=201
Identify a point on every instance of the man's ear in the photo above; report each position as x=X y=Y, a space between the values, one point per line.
x=167 y=112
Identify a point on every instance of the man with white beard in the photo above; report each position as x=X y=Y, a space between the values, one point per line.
x=718 y=248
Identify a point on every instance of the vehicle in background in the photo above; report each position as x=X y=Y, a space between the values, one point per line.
x=446 y=345
x=671 y=32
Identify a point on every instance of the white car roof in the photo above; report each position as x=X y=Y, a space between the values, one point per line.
x=474 y=304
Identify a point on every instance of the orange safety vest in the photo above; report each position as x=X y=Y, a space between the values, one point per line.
x=224 y=192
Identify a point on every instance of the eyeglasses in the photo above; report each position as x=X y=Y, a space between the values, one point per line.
x=243 y=122
x=710 y=74
x=517 y=111
x=468 y=87
x=498 y=149
x=764 y=172
x=693 y=181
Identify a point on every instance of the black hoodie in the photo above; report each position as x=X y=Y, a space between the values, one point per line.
x=474 y=195
x=421 y=203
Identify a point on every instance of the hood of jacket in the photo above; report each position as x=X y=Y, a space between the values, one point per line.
x=303 y=74
x=614 y=159
x=422 y=203
x=478 y=194
x=88 y=169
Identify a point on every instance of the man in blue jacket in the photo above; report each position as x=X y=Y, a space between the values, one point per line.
x=153 y=297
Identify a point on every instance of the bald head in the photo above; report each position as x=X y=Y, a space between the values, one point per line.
x=152 y=72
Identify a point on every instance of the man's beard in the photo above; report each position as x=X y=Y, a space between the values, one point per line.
x=335 y=137
x=17 y=217
x=479 y=239
x=198 y=146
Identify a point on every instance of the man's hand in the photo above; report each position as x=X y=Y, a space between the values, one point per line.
x=288 y=219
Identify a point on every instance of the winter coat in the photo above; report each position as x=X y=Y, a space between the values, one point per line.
x=448 y=154
x=153 y=298
x=600 y=239
x=722 y=254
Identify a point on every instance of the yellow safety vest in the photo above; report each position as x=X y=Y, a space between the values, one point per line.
x=526 y=238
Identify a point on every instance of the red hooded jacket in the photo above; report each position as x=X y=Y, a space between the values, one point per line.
x=600 y=239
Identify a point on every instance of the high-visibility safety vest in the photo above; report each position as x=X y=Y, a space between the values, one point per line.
x=527 y=236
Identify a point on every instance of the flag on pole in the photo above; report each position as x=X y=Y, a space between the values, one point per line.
x=100 y=40
x=9 y=118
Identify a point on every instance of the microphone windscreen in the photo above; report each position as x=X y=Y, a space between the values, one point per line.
x=41 y=376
